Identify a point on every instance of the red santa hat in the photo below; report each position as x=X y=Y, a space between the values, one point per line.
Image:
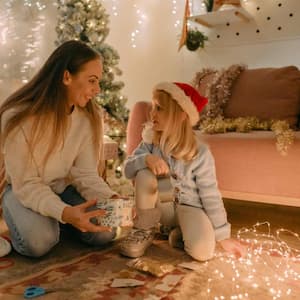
x=186 y=96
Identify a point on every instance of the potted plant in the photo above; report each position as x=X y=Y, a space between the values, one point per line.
x=209 y=5
x=195 y=39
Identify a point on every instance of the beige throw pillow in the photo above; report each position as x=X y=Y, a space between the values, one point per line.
x=267 y=93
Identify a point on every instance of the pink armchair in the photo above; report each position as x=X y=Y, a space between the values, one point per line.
x=139 y=115
x=248 y=166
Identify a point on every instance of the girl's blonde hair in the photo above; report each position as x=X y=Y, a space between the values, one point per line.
x=178 y=138
x=43 y=101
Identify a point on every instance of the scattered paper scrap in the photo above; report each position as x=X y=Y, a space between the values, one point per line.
x=153 y=297
x=168 y=282
x=191 y=265
x=126 y=282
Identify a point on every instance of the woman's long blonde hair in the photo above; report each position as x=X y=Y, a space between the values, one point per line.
x=178 y=138
x=43 y=100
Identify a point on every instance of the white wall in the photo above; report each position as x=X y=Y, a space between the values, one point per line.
x=156 y=57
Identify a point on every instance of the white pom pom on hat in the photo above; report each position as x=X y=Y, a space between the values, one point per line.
x=187 y=98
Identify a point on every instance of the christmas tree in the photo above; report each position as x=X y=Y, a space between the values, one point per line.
x=87 y=21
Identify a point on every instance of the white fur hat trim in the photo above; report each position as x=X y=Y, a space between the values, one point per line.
x=147 y=133
x=182 y=99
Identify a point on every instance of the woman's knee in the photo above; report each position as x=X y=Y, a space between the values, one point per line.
x=31 y=233
x=37 y=244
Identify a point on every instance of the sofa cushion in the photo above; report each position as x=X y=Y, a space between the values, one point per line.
x=267 y=93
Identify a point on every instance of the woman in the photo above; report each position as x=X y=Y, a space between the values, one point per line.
x=170 y=147
x=51 y=136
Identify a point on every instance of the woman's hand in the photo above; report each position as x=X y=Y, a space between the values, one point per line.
x=234 y=247
x=157 y=165
x=79 y=217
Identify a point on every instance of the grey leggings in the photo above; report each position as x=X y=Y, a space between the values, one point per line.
x=33 y=234
x=197 y=230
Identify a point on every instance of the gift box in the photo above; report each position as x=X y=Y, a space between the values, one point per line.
x=118 y=212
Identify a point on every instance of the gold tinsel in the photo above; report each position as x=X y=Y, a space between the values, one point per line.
x=218 y=90
x=283 y=134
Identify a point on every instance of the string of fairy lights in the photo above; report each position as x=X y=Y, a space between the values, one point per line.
x=22 y=25
x=271 y=267
x=141 y=17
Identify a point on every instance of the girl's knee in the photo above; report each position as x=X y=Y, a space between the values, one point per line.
x=146 y=189
x=202 y=251
x=145 y=178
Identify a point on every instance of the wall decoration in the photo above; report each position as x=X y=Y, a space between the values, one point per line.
x=191 y=37
x=184 y=25
x=251 y=22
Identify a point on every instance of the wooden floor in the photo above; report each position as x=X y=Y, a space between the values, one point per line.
x=244 y=213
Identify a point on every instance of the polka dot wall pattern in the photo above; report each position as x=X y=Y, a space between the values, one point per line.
x=256 y=21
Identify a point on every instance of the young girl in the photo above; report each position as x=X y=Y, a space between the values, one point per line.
x=51 y=136
x=170 y=147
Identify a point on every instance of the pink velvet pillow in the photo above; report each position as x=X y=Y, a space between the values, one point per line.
x=267 y=93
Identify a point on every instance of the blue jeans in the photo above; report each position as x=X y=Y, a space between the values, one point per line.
x=33 y=234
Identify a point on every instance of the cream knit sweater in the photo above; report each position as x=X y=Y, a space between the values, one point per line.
x=75 y=163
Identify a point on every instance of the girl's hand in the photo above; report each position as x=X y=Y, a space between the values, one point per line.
x=234 y=247
x=79 y=217
x=157 y=165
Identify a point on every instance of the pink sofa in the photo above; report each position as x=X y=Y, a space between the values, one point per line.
x=248 y=165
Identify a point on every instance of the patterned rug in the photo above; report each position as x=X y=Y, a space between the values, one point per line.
x=89 y=274
x=75 y=272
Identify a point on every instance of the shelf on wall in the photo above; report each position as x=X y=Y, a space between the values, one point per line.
x=221 y=17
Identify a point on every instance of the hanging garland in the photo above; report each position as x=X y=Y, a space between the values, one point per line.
x=283 y=134
x=218 y=91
